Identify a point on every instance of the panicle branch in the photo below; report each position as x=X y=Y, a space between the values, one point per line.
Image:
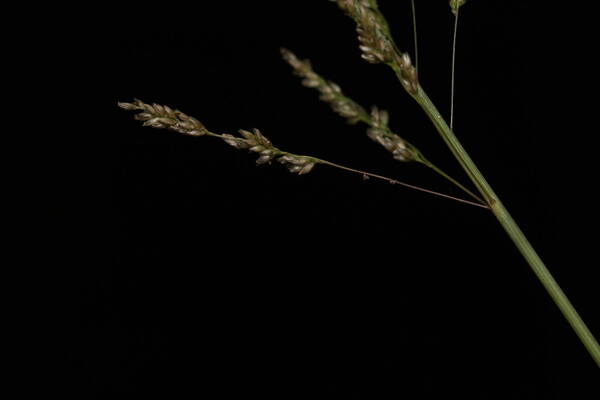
x=330 y=92
x=377 y=120
x=158 y=116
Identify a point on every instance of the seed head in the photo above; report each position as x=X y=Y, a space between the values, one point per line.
x=376 y=42
x=158 y=116
x=330 y=92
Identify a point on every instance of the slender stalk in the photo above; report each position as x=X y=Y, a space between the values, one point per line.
x=510 y=226
x=164 y=117
x=414 y=23
x=453 y=69
x=364 y=174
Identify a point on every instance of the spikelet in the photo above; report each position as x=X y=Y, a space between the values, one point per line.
x=297 y=164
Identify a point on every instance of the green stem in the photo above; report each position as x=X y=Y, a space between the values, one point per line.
x=509 y=225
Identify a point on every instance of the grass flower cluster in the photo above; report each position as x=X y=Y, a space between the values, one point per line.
x=377 y=46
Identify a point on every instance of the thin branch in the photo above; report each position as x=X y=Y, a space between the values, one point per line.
x=357 y=171
x=396 y=182
x=164 y=117
x=414 y=23
x=453 y=69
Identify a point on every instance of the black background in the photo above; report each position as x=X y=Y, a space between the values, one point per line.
x=210 y=276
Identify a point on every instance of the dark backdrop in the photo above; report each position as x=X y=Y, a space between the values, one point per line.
x=210 y=276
